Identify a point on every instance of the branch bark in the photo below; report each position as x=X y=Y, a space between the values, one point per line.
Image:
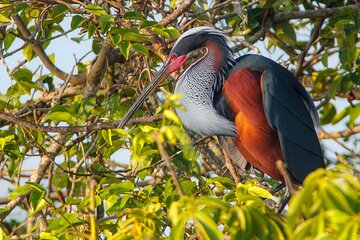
x=167 y=160
x=341 y=134
x=313 y=14
x=175 y=14
x=72 y=129
x=97 y=70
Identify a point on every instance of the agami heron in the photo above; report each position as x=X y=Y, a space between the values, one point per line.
x=251 y=100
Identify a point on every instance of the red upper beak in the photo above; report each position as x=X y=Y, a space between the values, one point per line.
x=170 y=66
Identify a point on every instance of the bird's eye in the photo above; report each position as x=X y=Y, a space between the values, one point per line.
x=173 y=57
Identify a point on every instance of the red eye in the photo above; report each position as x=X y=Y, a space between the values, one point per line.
x=173 y=56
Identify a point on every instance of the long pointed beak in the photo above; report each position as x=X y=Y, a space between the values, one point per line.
x=161 y=76
x=164 y=72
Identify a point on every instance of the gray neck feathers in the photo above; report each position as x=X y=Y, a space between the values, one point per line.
x=197 y=86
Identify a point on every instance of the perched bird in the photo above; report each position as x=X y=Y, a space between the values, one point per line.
x=256 y=106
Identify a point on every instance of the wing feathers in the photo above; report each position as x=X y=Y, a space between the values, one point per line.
x=287 y=114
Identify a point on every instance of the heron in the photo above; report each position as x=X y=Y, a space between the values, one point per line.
x=254 y=105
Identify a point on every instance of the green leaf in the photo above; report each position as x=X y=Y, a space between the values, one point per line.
x=340 y=116
x=324 y=59
x=5 y=140
x=140 y=48
x=33 y=12
x=335 y=198
x=36 y=197
x=76 y=21
x=161 y=31
x=208 y=229
x=60 y=224
x=260 y=192
x=173 y=32
x=28 y=52
x=354 y=113
x=105 y=22
x=177 y=230
x=115 y=38
x=335 y=85
x=134 y=16
x=59 y=10
x=36 y=201
x=124 y=47
x=96 y=45
x=106 y=134
x=95 y=9
x=9 y=39
x=47 y=236
x=2 y=143
x=91 y=30
x=136 y=37
x=221 y=182
x=130 y=34
x=19 y=191
x=36 y=186
x=77 y=39
x=4 y=19
x=149 y=24
x=117 y=189
x=172 y=116
x=328 y=113
x=112 y=203
x=73 y=201
x=286 y=32
x=61 y=117
x=2 y=210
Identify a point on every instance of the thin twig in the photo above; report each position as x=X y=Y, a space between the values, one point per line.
x=167 y=160
x=312 y=39
x=341 y=134
x=93 y=228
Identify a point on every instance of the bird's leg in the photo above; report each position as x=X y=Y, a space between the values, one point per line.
x=231 y=154
x=291 y=185
x=284 y=201
x=229 y=165
x=290 y=182
x=277 y=188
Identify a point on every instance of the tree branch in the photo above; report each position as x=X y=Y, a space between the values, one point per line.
x=312 y=14
x=80 y=78
x=97 y=70
x=72 y=129
x=107 y=55
x=346 y=133
x=175 y=14
x=167 y=160
x=312 y=39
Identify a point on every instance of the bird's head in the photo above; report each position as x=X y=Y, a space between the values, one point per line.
x=185 y=47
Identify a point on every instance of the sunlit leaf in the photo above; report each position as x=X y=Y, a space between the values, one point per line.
x=95 y=9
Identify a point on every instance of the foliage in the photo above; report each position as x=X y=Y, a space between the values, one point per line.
x=84 y=186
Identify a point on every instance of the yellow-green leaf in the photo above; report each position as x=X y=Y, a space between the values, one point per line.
x=4 y=19
x=260 y=192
